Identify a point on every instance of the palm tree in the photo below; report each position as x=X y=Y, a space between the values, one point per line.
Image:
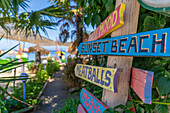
x=36 y=21
x=15 y=4
x=9 y=14
x=76 y=20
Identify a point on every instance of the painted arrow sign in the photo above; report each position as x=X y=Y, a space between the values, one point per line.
x=141 y=83
x=81 y=109
x=104 y=77
x=91 y=103
x=151 y=43
x=111 y=23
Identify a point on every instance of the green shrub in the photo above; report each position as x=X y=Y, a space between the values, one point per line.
x=30 y=66
x=70 y=106
x=56 y=66
x=42 y=75
x=69 y=76
x=52 y=67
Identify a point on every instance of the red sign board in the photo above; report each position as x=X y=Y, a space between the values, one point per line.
x=111 y=23
x=91 y=103
x=81 y=109
x=141 y=83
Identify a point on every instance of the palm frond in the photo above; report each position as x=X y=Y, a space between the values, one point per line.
x=8 y=50
x=5 y=91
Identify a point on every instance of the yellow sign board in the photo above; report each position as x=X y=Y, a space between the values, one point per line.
x=106 y=78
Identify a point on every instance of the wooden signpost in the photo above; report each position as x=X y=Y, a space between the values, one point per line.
x=104 y=77
x=122 y=62
x=151 y=43
x=111 y=23
x=123 y=45
x=91 y=103
x=141 y=83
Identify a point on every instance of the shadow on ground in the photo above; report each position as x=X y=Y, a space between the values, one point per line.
x=54 y=95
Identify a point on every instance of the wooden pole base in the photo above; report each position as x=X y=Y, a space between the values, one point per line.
x=123 y=63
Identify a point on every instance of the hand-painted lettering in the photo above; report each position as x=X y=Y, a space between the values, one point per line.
x=114 y=46
x=94 y=46
x=91 y=104
x=96 y=79
x=161 y=42
x=98 y=47
x=133 y=43
x=94 y=74
x=150 y=43
x=100 y=76
x=122 y=45
x=111 y=23
x=141 y=49
x=105 y=42
x=80 y=71
x=107 y=83
x=102 y=82
x=82 y=48
x=89 y=75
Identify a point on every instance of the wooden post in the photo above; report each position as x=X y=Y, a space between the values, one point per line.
x=20 y=49
x=38 y=43
x=56 y=47
x=124 y=63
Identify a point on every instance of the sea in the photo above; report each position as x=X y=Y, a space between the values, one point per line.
x=31 y=56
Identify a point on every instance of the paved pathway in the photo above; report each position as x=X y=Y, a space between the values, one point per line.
x=54 y=95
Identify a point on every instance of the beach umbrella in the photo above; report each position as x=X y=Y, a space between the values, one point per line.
x=60 y=53
x=42 y=50
x=24 y=50
x=43 y=41
x=23 y=55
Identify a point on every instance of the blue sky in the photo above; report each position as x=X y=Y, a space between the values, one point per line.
x=34 y=6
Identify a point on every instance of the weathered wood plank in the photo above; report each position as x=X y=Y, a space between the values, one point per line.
x=123 y=63
x=141 y=83
x=104 y=77
x=81 y=109
x=150 y=43
x=111 y=23
x=91 y=103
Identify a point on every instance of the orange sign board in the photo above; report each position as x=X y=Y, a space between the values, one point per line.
x=111 y=23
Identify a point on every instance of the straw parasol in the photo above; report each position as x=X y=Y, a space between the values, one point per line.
x=24 y=50
x=31 y=38
x=42 y=50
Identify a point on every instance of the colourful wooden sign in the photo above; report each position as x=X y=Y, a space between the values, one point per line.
x=160 y=6
x=151 y=43
x=141 y=83
x=81 y=109
x=104 y=77
x=111 y=23
x=91 y=103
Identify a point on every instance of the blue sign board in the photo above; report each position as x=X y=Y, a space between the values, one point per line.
x=150 y=43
